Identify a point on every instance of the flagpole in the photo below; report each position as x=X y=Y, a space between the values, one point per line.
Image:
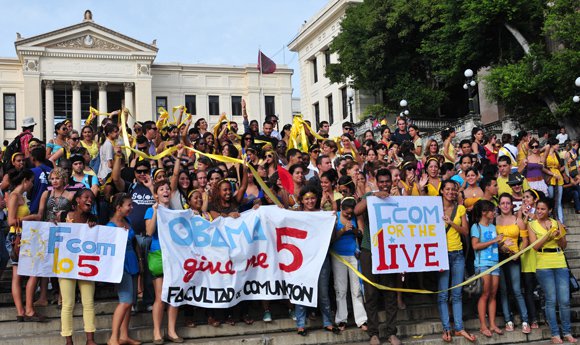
x=260 y=83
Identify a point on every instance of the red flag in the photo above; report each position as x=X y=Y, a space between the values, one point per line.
x=286 y=179
x=265 y=64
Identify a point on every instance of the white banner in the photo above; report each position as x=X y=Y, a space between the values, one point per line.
x=407 y=234
x=266 y=254
x=70 y=250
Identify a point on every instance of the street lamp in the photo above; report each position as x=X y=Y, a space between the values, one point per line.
x=470 y=87
x=403 y=103
x=350 y=97
x=576 y=98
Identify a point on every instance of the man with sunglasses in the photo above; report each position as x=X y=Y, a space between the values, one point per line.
x=141 y=192
x=150 y=131
x=348 y=128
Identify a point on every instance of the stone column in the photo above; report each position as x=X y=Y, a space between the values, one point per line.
x=76 y=105
x=129 y=104
x=102 y=96
x=49 y=106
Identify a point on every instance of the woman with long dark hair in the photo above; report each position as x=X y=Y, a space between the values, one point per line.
x=552 y=270
x=18 y=211
x=485 y=242
x=456 y=226
x=122 y=206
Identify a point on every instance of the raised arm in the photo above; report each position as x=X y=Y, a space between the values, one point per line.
x=116 y=173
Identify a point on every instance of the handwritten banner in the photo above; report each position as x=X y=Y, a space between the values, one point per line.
x=74 y=251
x=407 y=234
x=265 y=254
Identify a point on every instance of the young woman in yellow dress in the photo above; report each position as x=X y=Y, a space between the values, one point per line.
x=430 y=183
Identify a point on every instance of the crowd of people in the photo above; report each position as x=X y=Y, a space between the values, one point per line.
x=498 y=196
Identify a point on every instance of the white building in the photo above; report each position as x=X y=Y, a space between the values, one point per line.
x=61 y=73
x=320 y=99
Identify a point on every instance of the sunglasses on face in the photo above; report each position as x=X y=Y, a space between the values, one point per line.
x=348 y=129
x=316 y=151
x=535 y=146
x=247 y=138
x=269 y=156
x=141 y=171
x=74 y=139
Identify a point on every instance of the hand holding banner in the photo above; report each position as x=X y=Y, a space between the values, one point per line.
x=70 y=250
x=408 y=234
x=265 y=254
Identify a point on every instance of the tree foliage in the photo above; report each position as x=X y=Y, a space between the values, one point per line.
x=418 y=50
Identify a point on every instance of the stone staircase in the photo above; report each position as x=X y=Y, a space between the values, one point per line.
x=418 y=324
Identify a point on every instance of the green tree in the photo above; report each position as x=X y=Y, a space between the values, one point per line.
x=419 y=49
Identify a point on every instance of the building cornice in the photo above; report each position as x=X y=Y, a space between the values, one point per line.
x=83 y=25
x=245 y=69
x=335 y=8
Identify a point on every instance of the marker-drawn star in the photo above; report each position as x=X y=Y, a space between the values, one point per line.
x=392 y=239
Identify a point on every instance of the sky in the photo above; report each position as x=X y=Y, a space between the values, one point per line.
x=207 y=32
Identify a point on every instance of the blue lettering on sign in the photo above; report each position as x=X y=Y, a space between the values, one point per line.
x=194 y=232
x=404 y=215
x=76 y=245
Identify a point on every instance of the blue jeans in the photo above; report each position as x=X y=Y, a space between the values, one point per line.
x=323 y=299
x=556 y=285
x=457 y=270
x=511 y=271
x=555 y=192
x=144 y=243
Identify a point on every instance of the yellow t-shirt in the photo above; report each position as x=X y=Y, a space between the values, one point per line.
x=547 y=260
x=513 y=232
x=504 y=188
x=453 y=237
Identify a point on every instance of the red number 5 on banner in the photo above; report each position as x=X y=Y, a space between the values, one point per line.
x=296 y=252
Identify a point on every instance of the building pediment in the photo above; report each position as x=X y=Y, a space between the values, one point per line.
x=86 y=39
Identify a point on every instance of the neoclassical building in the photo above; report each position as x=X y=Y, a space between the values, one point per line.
x=60 y=74
x=321 y=99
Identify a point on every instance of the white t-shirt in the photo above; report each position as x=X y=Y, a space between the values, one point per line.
x=562 y=138
x=106 y=153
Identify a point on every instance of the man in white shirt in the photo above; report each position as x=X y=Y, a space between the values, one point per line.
x=562 y=136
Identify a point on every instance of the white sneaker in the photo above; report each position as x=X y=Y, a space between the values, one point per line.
x=149 y=308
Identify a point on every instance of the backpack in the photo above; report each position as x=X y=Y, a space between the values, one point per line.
x=11 y=149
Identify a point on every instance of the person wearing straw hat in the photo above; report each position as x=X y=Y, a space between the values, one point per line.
x=27 y=128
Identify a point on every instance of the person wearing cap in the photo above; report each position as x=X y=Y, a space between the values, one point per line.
x=504 y=166
x=516 y=182
x=27 y=129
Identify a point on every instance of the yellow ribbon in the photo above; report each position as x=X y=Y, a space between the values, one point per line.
x=257 y=177
x=162 y=120
x=123 y=115
x=158 y=156
x=488 y=271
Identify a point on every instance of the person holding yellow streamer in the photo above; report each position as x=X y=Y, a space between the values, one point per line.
x=552 y=269
x=484 y=240
x=455 y=226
